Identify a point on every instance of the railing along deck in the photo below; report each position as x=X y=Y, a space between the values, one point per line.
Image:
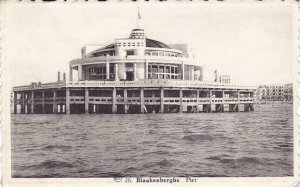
x=146 y=83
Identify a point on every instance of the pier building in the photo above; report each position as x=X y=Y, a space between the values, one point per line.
x=134 y=75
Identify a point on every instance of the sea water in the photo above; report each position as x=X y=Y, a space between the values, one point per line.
x=247 y=144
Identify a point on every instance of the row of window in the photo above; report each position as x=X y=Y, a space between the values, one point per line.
x=273 y=91
x=273 y=94
x=129 y=44
x=163 y=54
x=162 y=72
x=137 y=34
x=162 y=69
x=97 y=73
x=104 y=53
x=101 y=69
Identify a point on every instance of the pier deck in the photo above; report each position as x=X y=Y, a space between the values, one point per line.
x=143 y=96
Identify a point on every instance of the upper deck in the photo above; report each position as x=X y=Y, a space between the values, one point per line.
x=146 y=83
x=134 y=59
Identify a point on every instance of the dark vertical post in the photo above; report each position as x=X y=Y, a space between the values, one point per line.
x=54 y=102
x=64 y=76
x=197 y=100
x=43 y=102
x=86 y=101
x=114 y=100
x=58 y=76
x=210 y=99
x=32 y=102
x=238 y=102
x=15 y=102
x=23 y=103
x=125 y=101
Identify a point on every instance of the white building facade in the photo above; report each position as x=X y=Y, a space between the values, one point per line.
x=137 y=58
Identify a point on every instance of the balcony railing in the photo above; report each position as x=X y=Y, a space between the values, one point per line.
x=134 y=58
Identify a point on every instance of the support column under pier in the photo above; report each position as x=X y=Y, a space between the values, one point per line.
x=199 y=108
x=67 y=108
x=233 y=107
x=125 y=101
x=23 y=103
x=251 y=107
x=142 y=100
x=86 y=101
x=43 y=102
x=197 y=102
x=248 y=107
x=54 y=102
x=180 y=100
x=162 y=109
x=207 y=108
x=212 y=106
x=114 y=100
x=241 y=107
x=219 y=108
x=32 y=102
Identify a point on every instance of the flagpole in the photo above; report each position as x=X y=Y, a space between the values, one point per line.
x=138 y=23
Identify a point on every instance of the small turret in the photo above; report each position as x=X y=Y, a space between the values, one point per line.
x=137 y=34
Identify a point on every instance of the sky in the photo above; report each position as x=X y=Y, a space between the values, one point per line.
x=253 y=44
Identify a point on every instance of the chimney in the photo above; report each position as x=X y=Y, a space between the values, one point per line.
x=64 y=76
x=58 y=76
x=216 y=75
x=83 y=52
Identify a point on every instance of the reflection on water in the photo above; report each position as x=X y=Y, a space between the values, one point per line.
x=258 y=143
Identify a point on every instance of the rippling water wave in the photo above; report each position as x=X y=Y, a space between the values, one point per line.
x=258 y=143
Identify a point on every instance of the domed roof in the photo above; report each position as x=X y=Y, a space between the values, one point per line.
x=110 y=46
x=156 y=44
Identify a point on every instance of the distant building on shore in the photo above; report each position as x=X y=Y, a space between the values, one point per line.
x=224 y=79
x=279 y=92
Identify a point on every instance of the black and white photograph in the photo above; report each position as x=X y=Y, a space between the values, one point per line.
x=146 y=90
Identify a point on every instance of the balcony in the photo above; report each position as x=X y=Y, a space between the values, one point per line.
x=133 y=59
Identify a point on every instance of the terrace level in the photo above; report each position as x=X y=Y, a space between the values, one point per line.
x=144 y=96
